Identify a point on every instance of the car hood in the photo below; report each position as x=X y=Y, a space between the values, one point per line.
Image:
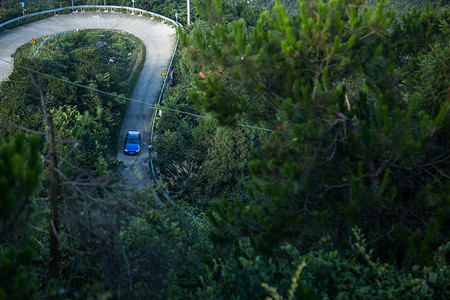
x=132 y=147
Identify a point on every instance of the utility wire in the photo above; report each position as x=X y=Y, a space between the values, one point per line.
x=77 y=84
x=126 y=98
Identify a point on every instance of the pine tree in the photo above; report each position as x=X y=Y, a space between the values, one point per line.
x=349 y=148
x=19 y=178
x=20 y=170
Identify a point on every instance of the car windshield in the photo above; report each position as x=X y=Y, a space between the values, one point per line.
x=133 y=140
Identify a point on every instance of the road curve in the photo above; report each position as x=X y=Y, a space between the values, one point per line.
x=159 y=40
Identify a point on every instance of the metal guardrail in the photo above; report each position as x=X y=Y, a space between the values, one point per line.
x=153 y=127
x=75 y=7
x=52 y=36
x=154 y=122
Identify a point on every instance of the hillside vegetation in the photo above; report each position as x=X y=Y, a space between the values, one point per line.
x=305 y=149
x=98 y=59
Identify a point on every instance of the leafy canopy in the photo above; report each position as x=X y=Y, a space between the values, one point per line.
x=342 y=154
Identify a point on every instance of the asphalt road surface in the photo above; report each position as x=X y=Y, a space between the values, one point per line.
x=159 y=40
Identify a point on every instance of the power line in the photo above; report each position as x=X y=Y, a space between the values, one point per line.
x=126 y=98
x=77 y=84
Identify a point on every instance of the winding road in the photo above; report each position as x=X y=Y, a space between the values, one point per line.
x=159 y=40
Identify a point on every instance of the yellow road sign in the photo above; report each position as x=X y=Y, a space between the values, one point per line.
x=164 y=73
x=33 y=41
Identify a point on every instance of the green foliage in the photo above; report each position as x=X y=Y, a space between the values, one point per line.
x=200 y=161
x=225 y=168
x=294 y=285
x=9 y=10
x=239 y=279
x=420 y=39
x=335 y=161
x=360 y=109
x=65 y=57
x=281 y=63
x=20 y=169
x=78 y=114
x=357 y=274
x=15 y=281
x=433 y=73
x=166 y=248
x=325 y=273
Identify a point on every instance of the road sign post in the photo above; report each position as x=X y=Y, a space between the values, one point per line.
x=33 y=42
x=188 y=13
x=23 y=8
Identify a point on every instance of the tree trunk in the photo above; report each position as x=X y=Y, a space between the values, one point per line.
x=54 y=244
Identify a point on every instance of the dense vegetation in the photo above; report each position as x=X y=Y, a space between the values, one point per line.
x=341 y=192
x=99 y=60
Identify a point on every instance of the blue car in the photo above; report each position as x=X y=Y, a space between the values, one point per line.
x=132 y=145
